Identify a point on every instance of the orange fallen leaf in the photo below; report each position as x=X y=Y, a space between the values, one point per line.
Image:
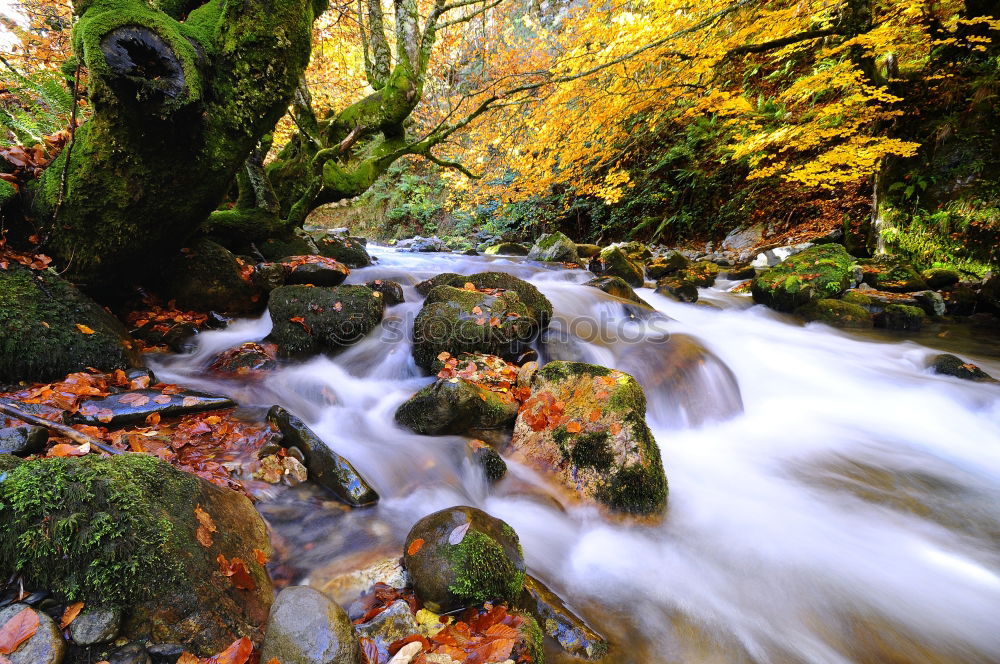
x=84 y=329
x=17 y=630
x=70 y=614
x=414 y=547
x=237 y=572
x=67 y=450
x=206 y=526
x=260 y=556
x=595 y=414
x=477 y=310
x=301 y=321
x=153 y=419
x=237 y=653
x=469 y=286
x=573 y=427
x=616 y=428
x=134 y=399
x=188 y=658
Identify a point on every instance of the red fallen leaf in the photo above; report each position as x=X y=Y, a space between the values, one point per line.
x=70 y=614
x=395 y=646
x=260 y=557
x=17 y=630
x=206 y=526
x=573 y=427
x=414 y=547
x=301 y=321
x=237 y=572
x=237 y=653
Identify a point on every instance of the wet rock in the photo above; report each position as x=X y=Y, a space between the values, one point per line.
x=350 y=577
x=950 y=365
x=327 y=469
x=315 y=270
x=395 y=623
x=836 y=313
x=456 y=405
x=554 y=247
x=133 y=653
x=960 y=300
x=49 y=329
x=443 y=279
x=677 y=289
x=741 y=239
x=248 y=360
x=23 y=440
x=458 y=320
x=587 y=250
x=772 y=257
x=308 y=320
x=45 y=647
x=419 y=244
x=307 y=627
x=613 y=262
x=133 y=407
x=570 y=631
x=669 y=263
x=585 y=426
x=507 y=249
x=487 y=458
x=700 y=273
x=859 y=299
x=461 y=557
x=296 y=243
x=95 y=625
x=268 y=276
x=900 y=317
x=347 y=250
x=636 y=252
x=931 y=302
x=941 y=277
x=392 y=292
x=822 y=272
x=892 y=276
x=539 y=307
x=617 y=287
x=206 y=276
x=740 y=272
x=144 y=554
x=165 y=653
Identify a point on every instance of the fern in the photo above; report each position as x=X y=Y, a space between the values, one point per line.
x=33 y=106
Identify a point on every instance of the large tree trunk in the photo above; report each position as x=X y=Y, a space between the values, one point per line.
x=178 y=107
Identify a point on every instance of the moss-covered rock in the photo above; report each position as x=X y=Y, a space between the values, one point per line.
x=586 y=426
x=347 y=250
x=892 y=276
x=900 y=317
x=461 y=557
x=207 y=277
x=587 y=250
x=296 y=243
x=617 y=287
x=49 y=329
x=677 y=289
x=637 y=252
x=960 y=300
x=951 y=365
x=668 y=264
x=459 y=320
x=444 y=279
x=309 y=320
x=701 y=273
x=613 y=262
x=836 y=313
x=554 y=247
x=122 y=532
x=941 y=277
x=539 y=307
x=740 y=272
x=817 y=273
x=456 y=405
x=507 y=249
x=392 y=292
x=487 y=458
x=858 y=298
x=569 y=630
x=314 y=270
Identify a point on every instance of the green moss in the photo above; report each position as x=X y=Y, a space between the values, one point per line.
x=836 y=313
x=538 y=305
x=859 y=299
x=701 y=273
x=532 y=636
x=484 y=572
x=7 y=192
x=612 y=261
x=900 y=317
x=634 y=489
x=814 y=274
x=559 y=370
x=591 y=450
x=93 y=529
x=332 y=318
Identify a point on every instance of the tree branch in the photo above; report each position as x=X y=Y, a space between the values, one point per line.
x=59 y=429
x=781 y=42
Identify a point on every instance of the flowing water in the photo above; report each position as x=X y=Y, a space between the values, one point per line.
x=831 y=500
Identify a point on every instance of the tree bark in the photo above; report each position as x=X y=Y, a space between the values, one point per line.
x=178 y=107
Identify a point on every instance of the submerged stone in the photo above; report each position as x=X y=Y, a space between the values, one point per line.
x=818 y=273
x=950 y=365
x=570 y=631
x=461 y=557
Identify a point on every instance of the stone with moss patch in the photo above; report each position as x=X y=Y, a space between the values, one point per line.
x=585 y=425
x=507 y=249
x=669 y=263
x=207 y=277
x=456 y=405
x=121 y=532
x=461 y=557
x=941 y=277
x=858 y=298
x=817 y=273
x=701 y=273
x=617 y=287
x=297 y=243
x=612 y=261
x=636 y=251
x=677 y=289
x=554 y=247
x=48 y=329
x=347 y=250
x=901 y=317
x=952 y=365
x=836 y=313
x=892 y=276
x=309 y=320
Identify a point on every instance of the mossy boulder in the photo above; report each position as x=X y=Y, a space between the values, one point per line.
x=121 y=532
x=444 y=279
x=206 y=276
x=587 y=250
x=49 y=329
x=818 y=273
x=461 y=557
x=900 y=317
x=613 y=262
x=459 y=320
x=310 y=320
x=507 y=249
x=554 y=247
x=701 y=273
x=677 y=289
x=347 y=250
x=392 y=292
x=585 y=425
x=313 y=270
x=669 y=263
x=836 y=313
x=858 y=298
x=636 y=251
x=941 y=277
x=617 y=287
x=892 y=276
x=296 y=243
x=951 y=365
x=539 y=307
x=456 y=405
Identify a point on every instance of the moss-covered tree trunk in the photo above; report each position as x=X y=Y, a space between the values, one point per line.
x=181 y=95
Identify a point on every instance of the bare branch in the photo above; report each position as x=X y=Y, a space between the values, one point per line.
x=782 y=42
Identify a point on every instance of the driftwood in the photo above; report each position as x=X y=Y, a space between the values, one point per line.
x=55 y=427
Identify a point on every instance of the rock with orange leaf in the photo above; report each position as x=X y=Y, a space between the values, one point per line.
x=585 y=426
